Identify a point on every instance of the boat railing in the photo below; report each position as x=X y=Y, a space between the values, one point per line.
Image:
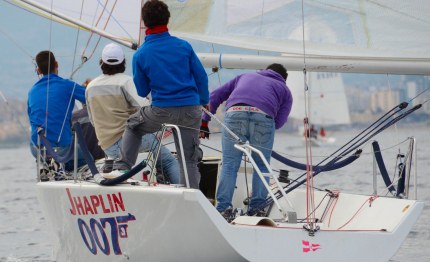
x=407 y=170
x=178 y=141
x=411 y=164
x=288 y=214
x=75 y=157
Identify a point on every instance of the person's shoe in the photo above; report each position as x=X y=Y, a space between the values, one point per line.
x=228 y=214
x=44 y=174
x=119 y=165
x=114 y=174
x=257 y=213
x=107 y=166
x=261 y=213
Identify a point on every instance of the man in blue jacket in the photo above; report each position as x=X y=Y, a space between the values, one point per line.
x=256 y=104
x=168 y=68
x=50 y=104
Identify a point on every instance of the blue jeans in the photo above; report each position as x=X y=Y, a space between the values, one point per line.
x=259 y=130
x=166 y=162
x=68 y=166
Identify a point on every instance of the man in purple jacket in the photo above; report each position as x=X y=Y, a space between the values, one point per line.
x=256 y=104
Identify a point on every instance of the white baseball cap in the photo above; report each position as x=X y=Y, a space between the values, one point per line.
x=112 y=54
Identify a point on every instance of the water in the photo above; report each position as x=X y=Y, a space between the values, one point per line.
x=24 y=234
x=23 y=231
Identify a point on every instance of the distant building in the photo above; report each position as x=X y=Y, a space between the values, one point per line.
x=358 y=101
x=411 y=91
x=383 y=101
x=426 y=107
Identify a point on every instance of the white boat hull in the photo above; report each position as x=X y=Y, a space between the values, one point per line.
x=163 y=223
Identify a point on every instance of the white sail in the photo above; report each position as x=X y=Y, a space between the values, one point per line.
x=370 y=28
x=326 y=97
x=345 y=36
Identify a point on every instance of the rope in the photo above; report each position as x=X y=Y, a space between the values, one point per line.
x=114 y=19
x=310 y=203
x=76 y=44
x=369 y=200
x=104 y=27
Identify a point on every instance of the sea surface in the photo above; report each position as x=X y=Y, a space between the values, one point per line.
x=24 y=233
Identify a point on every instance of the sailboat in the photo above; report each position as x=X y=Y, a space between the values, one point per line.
x=328 y=106
x=97 y=219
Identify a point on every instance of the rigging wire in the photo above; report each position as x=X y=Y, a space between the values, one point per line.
x=419 y=94
x=141 y=26
x=396 y=130
x=16 y=43
x=310 y=200
x=76 y=46
x=113 y=17
x=261 y=19
x=49 y=71
x=71 y=99
x=104 y=27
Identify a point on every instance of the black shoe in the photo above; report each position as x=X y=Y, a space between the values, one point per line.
x=107 y=166
x=261 y=213
x=119 y=165
x=43 y=173
x=257 y=213
x=228 y=214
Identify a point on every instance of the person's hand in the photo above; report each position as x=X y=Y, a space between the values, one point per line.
x=204 y=130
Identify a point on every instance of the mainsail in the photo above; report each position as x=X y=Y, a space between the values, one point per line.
x=385 y=36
